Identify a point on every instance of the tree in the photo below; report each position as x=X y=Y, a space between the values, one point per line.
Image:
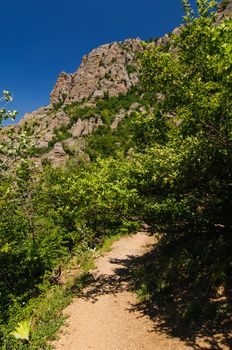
x=4 y=113
x=185 y=177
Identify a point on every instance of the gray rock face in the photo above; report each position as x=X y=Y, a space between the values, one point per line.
x=104 y=70
x=118 y=118
x=41 y=125
x=224 y=10
x=110 y=69
x=85 y=127
x=62 y=87
x=57 y=156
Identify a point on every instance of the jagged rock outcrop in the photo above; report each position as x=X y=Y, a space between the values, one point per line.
x=120 y=116
x=224 y=9
x=85 y=127
x=40 y=124
x=57 y=156
x=104 y=70
x=62 y=87
x=108 y=70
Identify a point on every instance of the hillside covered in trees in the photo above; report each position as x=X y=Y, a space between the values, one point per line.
x=160 y=153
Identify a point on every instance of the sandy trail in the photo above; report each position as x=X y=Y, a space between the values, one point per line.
x=105 y=316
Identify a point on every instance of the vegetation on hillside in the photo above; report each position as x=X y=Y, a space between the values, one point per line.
x=184 y=176
x=170 y=167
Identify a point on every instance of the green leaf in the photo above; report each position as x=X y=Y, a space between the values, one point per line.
x=22 y=331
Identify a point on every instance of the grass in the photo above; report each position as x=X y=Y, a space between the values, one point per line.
x=108 y=241
x=48 y=317
x=46 y=311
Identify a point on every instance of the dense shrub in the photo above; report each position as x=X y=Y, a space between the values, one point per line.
x=170 y=167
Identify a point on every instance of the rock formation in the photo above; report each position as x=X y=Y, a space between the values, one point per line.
x=109 y=70
x=104 y=70
x=224 y=9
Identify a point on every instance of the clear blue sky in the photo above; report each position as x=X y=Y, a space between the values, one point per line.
x=39 y=39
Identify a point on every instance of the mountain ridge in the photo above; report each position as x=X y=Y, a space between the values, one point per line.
x=109 y=71
x=106 y=72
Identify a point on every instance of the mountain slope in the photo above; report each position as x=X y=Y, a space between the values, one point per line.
x=57 y=132
x=107 y=72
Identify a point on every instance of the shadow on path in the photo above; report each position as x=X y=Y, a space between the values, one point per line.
x=176 y=309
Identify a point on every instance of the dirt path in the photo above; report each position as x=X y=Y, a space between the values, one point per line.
x=105 y=316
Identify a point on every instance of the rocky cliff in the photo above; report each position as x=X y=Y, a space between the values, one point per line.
x=105 y=69
x=58 y=131
x=110 y=70
x=224 y=9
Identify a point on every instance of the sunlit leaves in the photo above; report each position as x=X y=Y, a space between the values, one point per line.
x=4 y=113
x=22 y=331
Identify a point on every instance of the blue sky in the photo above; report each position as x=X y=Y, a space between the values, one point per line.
x=39 y=39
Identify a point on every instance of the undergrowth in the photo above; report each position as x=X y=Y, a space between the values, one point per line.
x=46 y=312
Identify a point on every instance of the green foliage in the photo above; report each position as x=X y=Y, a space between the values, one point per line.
x=4 y=113
x=224 y=4
x=82 y=113
x=58 y=105
x=153 y=39
x=46 y=220
x=105 y=108
x=61 y=133
x=183 y=173
x=38 y=151
x=169 y=166
x=22 y=330
x=131 y=68
x=105 y=142
x=191 y=124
